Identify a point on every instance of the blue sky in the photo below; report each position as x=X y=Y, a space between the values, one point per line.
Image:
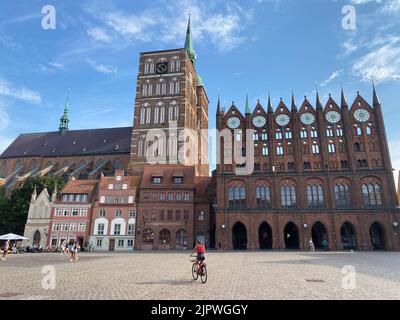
x=243 y=45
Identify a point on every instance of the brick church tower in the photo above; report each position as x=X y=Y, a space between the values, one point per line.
x=171 y=111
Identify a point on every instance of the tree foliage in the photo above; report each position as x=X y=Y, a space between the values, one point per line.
x=14 y=211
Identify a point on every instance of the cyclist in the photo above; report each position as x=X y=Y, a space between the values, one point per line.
x=200 y=250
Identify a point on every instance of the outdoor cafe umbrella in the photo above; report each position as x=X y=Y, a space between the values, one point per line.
x=12 y=237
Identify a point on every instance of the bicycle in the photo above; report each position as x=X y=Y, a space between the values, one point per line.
x=199 y=269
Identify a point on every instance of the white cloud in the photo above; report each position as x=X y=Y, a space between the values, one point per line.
x=332 y=77
x=365 y=1
x=99 y=34
x=4 y=119
x=382 y=63
x=101 y=68
x=220 y=27
x=8 y=89
x=392 y=7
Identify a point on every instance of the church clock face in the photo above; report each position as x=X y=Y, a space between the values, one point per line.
x=233 y=122
x=259 y=121
x=361 y=115
x=307 y=118
x=162 y=67
x=282 y=120
x=333 y=117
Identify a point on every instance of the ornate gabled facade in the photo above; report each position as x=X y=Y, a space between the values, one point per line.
x=320 y=173
x=37 y=224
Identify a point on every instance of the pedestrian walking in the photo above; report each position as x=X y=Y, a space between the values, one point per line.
x=312 y=246
x=63 y=247
x=74 y=252
x=6 y=247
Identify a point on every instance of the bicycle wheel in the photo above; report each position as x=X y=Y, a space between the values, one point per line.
x=203 y=275
x=194 y=271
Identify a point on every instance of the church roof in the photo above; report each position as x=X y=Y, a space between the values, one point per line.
x=70 y=143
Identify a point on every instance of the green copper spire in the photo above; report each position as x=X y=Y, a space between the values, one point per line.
x=248 y=111
x=189 y=43
x=64 y=120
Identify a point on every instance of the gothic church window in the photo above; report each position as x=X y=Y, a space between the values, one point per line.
x=342 y=195
x=315 y=196
x=288 y=196
x=372 y=194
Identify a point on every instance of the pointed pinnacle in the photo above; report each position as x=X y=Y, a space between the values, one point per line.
x=375 y=98
x=318 y=103
x=270 y=109
x=343 y=102
x=294 y=107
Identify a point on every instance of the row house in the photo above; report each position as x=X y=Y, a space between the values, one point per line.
x=71 y=213
x=114 y=213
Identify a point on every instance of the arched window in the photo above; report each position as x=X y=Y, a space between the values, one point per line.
x=264 y=136
x=315 y=149
x=331 y=148
x=156 y=115
x=372 y=194
x=255 y=136
x=303 y=134
x=279 y=151
x=368 y=131
x=342 y=195
x=358 y=131
x=359 y=147
x=237 y=197
x=152 y=65
x=162 y=114
x=177 y=65
x=314 y=133
x=279 y=136
x=149 y=66
x=263 y=196
x=288 y=135
x=288 y=196
x=142 y=115
x=181 y=237
x=315 y=196
x=177 y=87
x=329 y=132
x=264 y=150
x=147 y=88
x=165 y=236
x=171 y=87
x=339 y=132
x=148 y=115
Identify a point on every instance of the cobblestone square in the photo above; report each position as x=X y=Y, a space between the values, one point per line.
x=232 y=275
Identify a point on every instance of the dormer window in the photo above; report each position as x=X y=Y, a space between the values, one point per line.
x=178 y=180
x=156 y=180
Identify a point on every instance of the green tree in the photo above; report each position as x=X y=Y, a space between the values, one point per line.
x=14 y=211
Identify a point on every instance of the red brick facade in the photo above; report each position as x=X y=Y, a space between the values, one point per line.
x=323 y=174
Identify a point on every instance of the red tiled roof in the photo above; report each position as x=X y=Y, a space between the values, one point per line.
x=168 y=171
x=80 y=187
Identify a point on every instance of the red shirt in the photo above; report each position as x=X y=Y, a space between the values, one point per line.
x=200 y=249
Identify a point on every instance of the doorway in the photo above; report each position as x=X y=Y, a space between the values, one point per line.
x=291 y=234
x=239 y=236
x=265 y=236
